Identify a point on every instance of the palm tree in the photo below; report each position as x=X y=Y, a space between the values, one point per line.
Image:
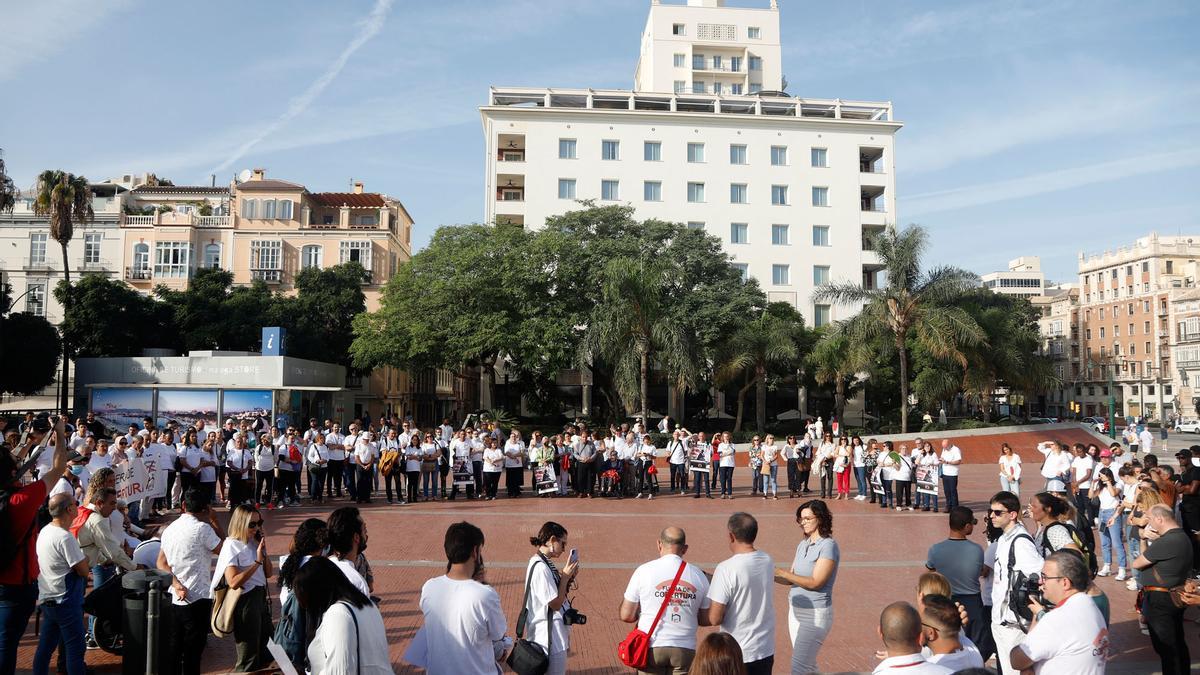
x=764 y=344
x=910 y=303
x=836 y=359
x=9 y=194
x=632 y=323
x=66 y=199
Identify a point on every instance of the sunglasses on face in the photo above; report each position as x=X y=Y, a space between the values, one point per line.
x=254 y=524
x=997 y=512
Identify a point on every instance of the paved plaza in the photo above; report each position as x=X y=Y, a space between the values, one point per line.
x=883 y=553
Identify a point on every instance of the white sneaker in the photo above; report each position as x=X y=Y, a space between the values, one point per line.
x=1131 y=584
x=1120 y=574
x=650 y=497
x=1104 y=571
x=639 y=496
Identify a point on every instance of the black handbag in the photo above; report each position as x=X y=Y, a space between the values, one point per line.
x=528 y=657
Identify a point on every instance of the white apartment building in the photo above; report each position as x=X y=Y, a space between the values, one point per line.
x=793 y=186
x=1023 y=278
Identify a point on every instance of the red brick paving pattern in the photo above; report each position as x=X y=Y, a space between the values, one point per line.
x=883 y=553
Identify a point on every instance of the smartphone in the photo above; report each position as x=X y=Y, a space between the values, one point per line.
x=258 y=535
x=573 y=556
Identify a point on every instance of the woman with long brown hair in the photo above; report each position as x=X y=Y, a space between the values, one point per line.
x=718 y=654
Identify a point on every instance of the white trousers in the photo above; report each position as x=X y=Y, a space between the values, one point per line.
x=558 y=664
x=807 y=628
x=1006 y=638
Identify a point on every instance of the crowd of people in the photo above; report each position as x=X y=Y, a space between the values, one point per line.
x=1103 y=512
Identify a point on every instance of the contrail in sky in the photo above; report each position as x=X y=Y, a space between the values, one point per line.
x=370 y=28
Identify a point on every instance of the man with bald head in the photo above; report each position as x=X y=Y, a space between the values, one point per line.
x=673 y=641
x=900 y=629
x=63 y=575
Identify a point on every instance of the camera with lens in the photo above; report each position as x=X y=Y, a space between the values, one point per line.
x=1026 y=589
x=41 y=424
x=573 y=617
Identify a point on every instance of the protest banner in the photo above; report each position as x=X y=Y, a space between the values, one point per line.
x=131 y=479
x=699 y=460
x=927 y=480
x=877 y=482
x=544 y=479
x=463 y=473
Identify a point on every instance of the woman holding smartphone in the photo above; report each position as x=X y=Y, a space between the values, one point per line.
x=1112 y=522
x=245 y=564
x=546 y=601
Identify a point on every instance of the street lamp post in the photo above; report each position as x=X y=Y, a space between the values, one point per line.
x=1112 y=406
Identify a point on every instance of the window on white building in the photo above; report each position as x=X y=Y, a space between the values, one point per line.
x=37 y=248
x=680 y=86
x=35 y=298
x=695 y=193
x=172 y=259
x=820 y=275
x=141 y=261
x=695 y=224
x=250 y=208
x=312 y=256
x=820 y=315
x=652 y=191
x=737 y=193
x=566 y=148
x=284 y=209
x=697 y=62
x=717 y=88
x=717 y=62
x=820 y=235
x=91 y=248
x=735 y=89
x=755 y=63
x=780 y=236
x=778 y=155
x=820 y=196
x=754 y=33
x=652 y=151
x=779 y=195
x=695 y=152
x=266 y=259
x=566 y=188
x=755 y=87
x=820 y=158
x=610 y=150
x=698 y=88
x=742 y=269
x=678 y=29
x=735 y=65
x=781 y=275
x=610 y=190
x=356 y=251
x=680 y=60
x=739 y=233
x=737 y=154
x=268 y=209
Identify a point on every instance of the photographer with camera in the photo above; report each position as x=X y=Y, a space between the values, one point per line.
x=1017 y=557
x=1067 y=633
x=548 y=612
x=19 y=505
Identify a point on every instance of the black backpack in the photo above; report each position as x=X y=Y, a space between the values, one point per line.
x=1087 y=548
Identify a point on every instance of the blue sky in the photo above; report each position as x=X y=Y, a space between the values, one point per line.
x=1032 y=127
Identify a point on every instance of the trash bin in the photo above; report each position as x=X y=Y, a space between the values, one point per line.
x=143 y=613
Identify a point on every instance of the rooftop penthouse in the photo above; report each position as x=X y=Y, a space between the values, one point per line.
x=763 y=104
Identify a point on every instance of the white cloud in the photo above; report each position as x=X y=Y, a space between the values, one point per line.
x=37 y=29
x=1047 y=182
x=368 y=29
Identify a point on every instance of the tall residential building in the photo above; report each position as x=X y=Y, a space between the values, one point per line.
x=1023 y=279
x=1125 y=301
x=1058 y=327
x=792 y=186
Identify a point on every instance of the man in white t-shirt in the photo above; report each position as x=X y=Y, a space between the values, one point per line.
x=950 y=458
x=347 y=539
x=188 y=545
x=1146 y=441
x=673 y=643
x=742 y=596
x=61 y=582
x=1016 y=545
x=464 y=627
x=1070 y=637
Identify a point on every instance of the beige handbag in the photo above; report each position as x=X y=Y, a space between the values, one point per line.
x=225 y=600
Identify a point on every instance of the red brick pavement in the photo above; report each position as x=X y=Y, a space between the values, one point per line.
x=882 y=555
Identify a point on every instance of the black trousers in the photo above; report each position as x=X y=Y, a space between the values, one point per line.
x=513 y=477
x=903 y=493
x=264 y=484
x=477 y=469
x=1165 y=622
x=334 y=477
x=188 y=635
x=392 y=478
x=793 y=475
x=761 y=666
x=412 y=481
x=492 y=479
x=679 y=478
x=364 y=476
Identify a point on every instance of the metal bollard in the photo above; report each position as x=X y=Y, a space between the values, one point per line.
x=153 y=598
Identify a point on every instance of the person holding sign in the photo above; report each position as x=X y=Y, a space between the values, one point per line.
x=700 y=463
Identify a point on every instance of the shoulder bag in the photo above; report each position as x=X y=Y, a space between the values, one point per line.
x=225 y=600
x=527 y=657
x=634 y=650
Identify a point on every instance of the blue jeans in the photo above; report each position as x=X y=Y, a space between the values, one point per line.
x=429 y=482
x=1013 y=486
x=860 y=480
x=698 y=478
x=63 y=622
x=100 y=574
x=771 y=481
x=926 y=500
x=886 y=499
x=950 y=486
x=727 y=480
x=1110 y=537
x=16 y=606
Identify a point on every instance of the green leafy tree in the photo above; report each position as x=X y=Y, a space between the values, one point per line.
x=910 y=302
x=29 y=349
x=837 y=359
x=320 y=318
x=105 y=317
x=631 y=324
x=65 y=200
x=763 y=345
x=9 y=194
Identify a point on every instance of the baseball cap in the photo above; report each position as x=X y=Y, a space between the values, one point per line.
x=1106 y=453
x=1184 y=454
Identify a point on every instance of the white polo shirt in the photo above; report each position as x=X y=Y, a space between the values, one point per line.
x=952 y=454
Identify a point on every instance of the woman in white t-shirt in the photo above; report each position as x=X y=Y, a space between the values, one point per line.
x=547 y=596
x=412 y=468
x=188 y=452
x=726 y=452
x=350 y=638
x=430 y=454
x=493 y=464
x=824 y=463
x=1010 y=470
x=264 y=470
x=206 y=476
x=245 y=564
x=317 y=459
x=770 y=467
x=1112 y=522
x=239 y=466
x=902 y=479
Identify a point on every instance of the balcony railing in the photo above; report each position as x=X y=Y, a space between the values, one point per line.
x=176 y=219
x=137 y=273
x=269 y=276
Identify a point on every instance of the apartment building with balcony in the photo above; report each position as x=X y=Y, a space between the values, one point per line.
x=1022 y=279
x=1058 y=328
x=1185 y=351
x=794 y=187
x=1126 y=299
